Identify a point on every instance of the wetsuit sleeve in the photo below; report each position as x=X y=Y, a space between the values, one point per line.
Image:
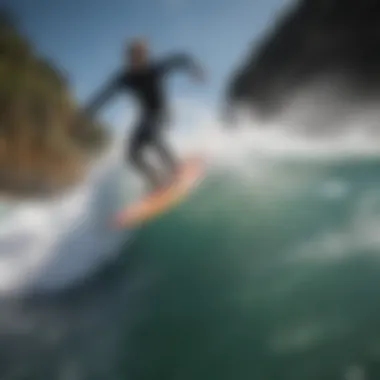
x=104 y=95
x=178 y=62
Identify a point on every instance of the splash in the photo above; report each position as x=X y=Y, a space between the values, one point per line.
x=280 y=139
x=47 y=245
x=50 y=245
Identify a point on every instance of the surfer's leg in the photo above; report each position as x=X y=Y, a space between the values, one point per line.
x=167 y=157
x=137 y=159
x=165 y=154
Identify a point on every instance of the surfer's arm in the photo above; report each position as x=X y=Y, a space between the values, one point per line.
x=182 y=61
x=103 y=96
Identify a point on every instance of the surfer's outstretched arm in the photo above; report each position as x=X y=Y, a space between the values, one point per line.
x=182 y=61
x=103 y=96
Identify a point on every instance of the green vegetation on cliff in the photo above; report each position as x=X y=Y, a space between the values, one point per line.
x=44 y=141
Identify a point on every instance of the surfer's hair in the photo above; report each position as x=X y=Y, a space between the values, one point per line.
x=137 y=44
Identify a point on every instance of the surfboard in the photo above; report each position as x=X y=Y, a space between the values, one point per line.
x=163 y=200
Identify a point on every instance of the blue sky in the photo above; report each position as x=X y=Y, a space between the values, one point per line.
x=86 y=37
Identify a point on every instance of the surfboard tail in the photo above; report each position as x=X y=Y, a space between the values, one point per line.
x=155 y=204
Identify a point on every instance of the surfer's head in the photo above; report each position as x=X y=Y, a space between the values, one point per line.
x=137 y=53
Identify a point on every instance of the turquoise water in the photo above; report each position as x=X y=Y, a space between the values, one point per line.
x=271 y=272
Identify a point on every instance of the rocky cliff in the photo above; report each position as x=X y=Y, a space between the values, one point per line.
x=336 y=42
x=44 y=141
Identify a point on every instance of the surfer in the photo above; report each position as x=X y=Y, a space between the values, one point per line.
x=144 y=78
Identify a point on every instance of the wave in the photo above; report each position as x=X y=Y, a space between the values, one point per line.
x=283 y=236
x=47 y=245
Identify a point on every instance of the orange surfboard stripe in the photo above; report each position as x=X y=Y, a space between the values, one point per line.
x=158 y=202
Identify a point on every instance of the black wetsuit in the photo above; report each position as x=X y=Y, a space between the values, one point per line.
x=148 y=88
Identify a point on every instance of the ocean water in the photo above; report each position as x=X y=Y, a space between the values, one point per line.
x=269 y=270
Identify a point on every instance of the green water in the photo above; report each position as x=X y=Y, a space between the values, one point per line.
x=269 y=274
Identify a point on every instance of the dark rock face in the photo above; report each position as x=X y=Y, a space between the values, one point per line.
x=335 y=42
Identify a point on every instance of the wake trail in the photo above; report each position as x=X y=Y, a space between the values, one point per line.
x=47 y=245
